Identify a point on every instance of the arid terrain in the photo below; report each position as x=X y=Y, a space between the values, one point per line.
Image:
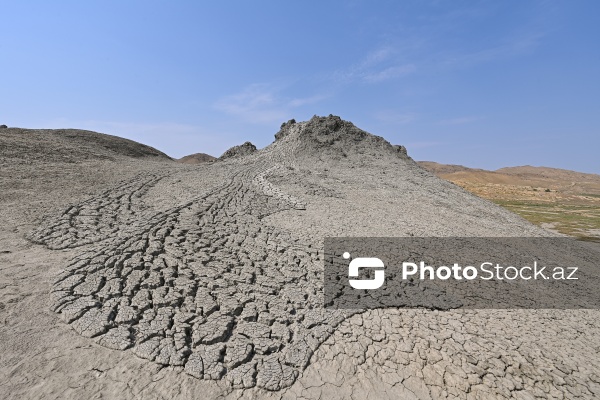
x=561 y=200
x=127 y=275
x=197 y=158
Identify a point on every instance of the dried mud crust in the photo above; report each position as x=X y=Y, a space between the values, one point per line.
x=203 y=285
x=217 y=285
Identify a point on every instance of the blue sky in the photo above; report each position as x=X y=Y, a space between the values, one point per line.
x=485 y=84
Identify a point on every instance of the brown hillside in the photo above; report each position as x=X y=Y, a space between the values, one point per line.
x=558 y=199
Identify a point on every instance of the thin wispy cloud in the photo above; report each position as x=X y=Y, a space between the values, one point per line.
x=306 y=100
x=262 y=104
x=123 y=126
x=378 y=66
x=509 y=48
x=175 y=139
x=422 y=145
x=459 y=120
x=376 y=57
x=395 y=117
x=389 y=73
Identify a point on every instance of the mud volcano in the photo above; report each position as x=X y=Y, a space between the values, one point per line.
x=216 y=269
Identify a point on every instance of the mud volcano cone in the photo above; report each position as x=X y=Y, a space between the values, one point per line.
x=218 y=269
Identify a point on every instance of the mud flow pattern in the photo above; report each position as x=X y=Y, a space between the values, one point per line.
x=203 y=285
x=208 y=283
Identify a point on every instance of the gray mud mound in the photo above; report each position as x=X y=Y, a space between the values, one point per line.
x=333 y=138
x=69 y=145
x=218 y=271
x=197 y=158
x=239 y=151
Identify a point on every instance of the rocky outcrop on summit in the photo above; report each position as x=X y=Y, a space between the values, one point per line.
x=239 y=151
x=401 y=149
x=331 y=137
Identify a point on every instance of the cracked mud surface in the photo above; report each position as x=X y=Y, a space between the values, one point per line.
x=213 y=273
x=202 y=285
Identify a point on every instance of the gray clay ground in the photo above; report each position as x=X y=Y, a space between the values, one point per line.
x=124 y=274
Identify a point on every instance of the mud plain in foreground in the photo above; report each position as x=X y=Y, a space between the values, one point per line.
x=124 y=274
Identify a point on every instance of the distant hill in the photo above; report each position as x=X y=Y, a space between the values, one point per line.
x=438 y=168
x=559 y=180
x=529 y=172
x=197 y=158
x=558 y=199
x=69 y=145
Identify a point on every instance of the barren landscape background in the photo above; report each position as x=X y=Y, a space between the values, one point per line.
x=556 y=199
x=157 y=279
